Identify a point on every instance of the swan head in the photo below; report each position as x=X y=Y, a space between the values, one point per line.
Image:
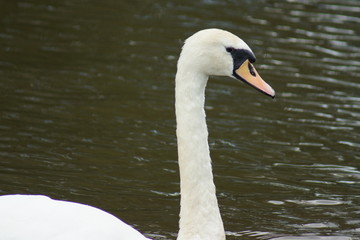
x=216 y=52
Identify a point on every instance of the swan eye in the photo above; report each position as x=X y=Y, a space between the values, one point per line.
x=230 y=49
x=251 y=70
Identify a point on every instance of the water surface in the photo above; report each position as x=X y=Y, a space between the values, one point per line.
x=87 y=112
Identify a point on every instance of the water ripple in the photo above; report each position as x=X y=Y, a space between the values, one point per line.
x=87 y=111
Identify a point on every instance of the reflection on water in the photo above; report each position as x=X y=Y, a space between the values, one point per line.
x=87 y=112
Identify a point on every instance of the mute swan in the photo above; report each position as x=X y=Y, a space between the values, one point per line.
x=207 y=52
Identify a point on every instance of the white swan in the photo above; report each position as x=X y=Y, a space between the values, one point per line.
x=207 y=52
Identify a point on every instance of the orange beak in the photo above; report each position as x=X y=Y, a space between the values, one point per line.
x=248 y=74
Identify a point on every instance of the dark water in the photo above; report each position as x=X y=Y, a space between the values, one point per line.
x=86 y=112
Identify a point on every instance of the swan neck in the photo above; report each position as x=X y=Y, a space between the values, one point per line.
x=199 y=212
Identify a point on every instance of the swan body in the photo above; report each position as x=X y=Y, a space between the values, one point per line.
x=42 y=218
x=207 y=52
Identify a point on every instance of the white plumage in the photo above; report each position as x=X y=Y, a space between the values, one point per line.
x=37 y=217
x=207 y=52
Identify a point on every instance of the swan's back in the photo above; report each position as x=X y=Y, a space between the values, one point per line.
x=42 y=218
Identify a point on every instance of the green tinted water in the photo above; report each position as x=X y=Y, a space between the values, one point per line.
x=86 y=112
